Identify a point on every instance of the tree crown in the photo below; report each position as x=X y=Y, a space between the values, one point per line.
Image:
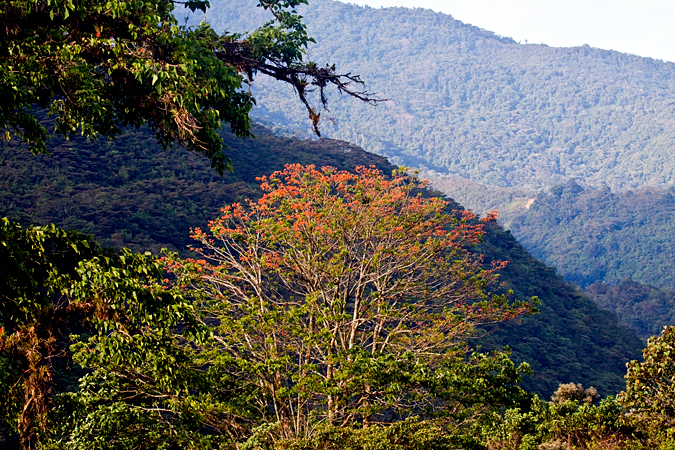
x=99 y=66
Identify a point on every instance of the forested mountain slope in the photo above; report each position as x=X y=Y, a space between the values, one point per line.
x=618 y=245
x=643 y=307
x=589 y=235
x=467 y=102
x=598 y=235
x=128 y=192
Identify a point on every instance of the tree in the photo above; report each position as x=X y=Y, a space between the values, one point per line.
x=575 y=392
x=99 y=66
x=54 y=283
x=346 y=298
x=650 y=386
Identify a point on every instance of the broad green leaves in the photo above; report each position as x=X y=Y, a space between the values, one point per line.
x=54 y=283
x=650 y=385
x=99 y=66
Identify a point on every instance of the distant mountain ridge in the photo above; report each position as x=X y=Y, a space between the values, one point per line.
x=617 y=245
x=467 y=102
x=589 y=235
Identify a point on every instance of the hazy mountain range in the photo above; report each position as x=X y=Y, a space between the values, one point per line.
x=464 y=101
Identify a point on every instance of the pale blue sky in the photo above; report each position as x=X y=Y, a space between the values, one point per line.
x=642 y=27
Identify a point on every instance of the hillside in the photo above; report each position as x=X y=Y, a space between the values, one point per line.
x=643 y=307
x=618 y=245
x=598 y=235
x=589 y=235
x=508 y=202
x=466 y=102
x=130 y=193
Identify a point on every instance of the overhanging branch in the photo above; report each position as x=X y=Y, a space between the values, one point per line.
x=304 y=78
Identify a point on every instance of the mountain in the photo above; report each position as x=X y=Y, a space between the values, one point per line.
x=466 y=102
x=643 y=307
x=599 y=235
x=130 y=193
x=617 y=245
x=589 y=235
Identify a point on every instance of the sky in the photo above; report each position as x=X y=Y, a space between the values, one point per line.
x=641 y=27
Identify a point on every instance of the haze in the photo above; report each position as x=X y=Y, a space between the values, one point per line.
x=641 y=27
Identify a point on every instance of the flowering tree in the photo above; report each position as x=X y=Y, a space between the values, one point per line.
x=342 y=298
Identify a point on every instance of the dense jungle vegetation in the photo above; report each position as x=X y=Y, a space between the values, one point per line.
x=144 y=363
x=466 y=102
x=342 y=306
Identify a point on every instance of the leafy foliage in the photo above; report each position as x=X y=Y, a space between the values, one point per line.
x=156 y=377
x=479 y=384
x=569 y=424
x=128 y=398
x=297 y=351
x=101 y=66
x=650 y=388
x=55 y=282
